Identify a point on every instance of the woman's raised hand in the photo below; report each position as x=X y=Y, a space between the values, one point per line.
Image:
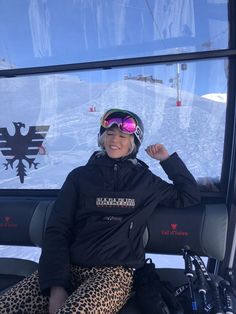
x=157 y=151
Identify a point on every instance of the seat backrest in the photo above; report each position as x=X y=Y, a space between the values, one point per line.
x=23 y=222
x=202 y=228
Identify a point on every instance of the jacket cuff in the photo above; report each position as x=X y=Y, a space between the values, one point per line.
x=174 y=165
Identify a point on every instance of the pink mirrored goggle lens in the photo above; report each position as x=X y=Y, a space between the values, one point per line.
x=126 y=125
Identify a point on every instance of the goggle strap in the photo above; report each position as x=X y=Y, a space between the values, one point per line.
x=109 y=113
x=139 y=133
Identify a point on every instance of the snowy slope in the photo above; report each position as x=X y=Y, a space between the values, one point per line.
x=195 y=129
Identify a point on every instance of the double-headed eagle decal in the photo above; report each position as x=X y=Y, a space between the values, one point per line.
x=19 y=147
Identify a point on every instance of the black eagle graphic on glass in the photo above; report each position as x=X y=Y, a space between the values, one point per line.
x=20 y=147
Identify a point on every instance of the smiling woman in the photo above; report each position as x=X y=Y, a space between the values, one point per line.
x=116 y=143
x=124 y=125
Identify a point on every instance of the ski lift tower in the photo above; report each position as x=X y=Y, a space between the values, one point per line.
x=177 y=81
x=178 y=99
x=179 y=67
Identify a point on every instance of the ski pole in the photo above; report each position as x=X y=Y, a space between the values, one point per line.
x=228 y=304
x=189 y=274
x=212 y=283
x=216 y=295
x=202 y=290
x=231 y=279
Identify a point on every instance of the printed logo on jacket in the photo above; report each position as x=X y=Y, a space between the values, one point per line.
x=115 y=202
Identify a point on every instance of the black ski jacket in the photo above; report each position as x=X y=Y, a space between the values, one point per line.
x=101 y=212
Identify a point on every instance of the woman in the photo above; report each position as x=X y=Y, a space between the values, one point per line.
x=93 y=240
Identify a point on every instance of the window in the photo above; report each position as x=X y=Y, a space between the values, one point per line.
x=182 y=98
x=183 y=105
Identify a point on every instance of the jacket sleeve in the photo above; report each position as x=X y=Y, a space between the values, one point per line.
x=184 y=191
x=54 y=264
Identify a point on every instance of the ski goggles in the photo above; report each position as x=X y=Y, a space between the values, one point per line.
x=125 y=122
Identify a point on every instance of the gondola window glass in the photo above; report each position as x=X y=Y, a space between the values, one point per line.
x=49 y=32
x=50 y=123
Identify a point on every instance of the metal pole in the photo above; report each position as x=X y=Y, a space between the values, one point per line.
x=178 y=100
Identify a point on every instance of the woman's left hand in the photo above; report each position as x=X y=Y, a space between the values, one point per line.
x=57 y=298
x=157 y=151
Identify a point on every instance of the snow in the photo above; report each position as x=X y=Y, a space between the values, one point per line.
x=33 y=254
x=24 y=252
x=195 y=130
x=219 y=97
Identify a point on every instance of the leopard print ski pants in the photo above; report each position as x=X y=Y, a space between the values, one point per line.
x=97 y=290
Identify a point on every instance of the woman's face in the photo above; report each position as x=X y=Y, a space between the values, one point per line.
x=116 y=143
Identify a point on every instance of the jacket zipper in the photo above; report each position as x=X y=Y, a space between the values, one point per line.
x=131 y=226
x=129 y=236
x=115 y=177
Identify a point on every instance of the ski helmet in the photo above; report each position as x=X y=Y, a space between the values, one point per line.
x=127 y=121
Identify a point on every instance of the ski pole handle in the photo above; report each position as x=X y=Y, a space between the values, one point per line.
x=188 y=264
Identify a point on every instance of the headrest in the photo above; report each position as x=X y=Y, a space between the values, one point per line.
x=39 y=222
x=22 y=222
x=203 y=228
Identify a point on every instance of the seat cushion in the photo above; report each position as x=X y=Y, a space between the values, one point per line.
x=7 y=281
x=13 y=270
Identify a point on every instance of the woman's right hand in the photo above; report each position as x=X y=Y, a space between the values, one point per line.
x=57 y=298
